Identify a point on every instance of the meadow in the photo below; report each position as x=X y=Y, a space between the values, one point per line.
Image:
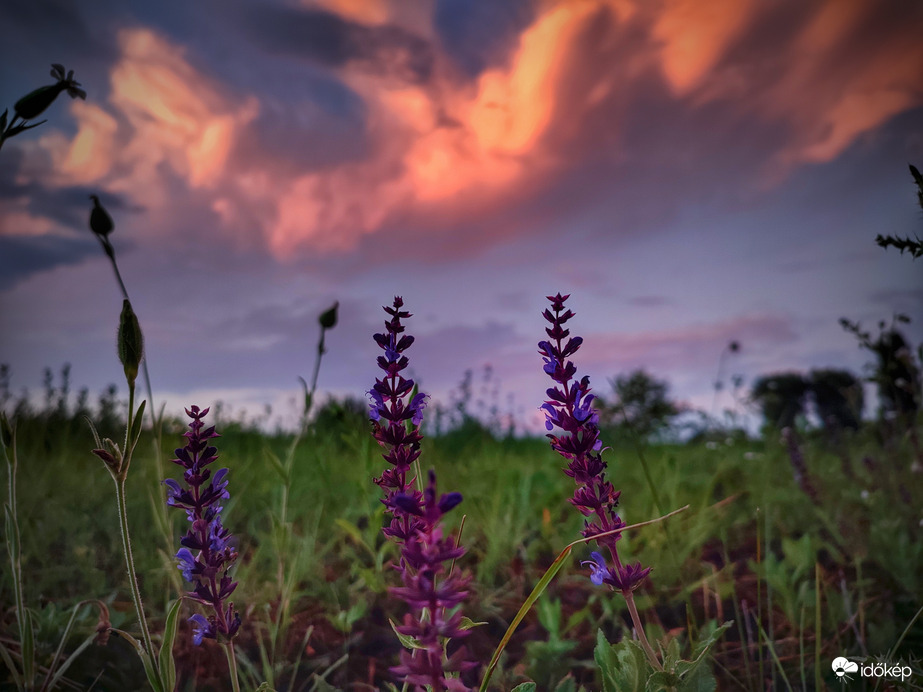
x=789 y=560
x=805 y=571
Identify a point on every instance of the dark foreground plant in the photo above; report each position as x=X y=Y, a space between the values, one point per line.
x=35 y=102
x=207 y=554
x=24 y=675
x=430 y=589
x=160 y=670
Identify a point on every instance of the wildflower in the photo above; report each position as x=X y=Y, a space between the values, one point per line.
x=396 y=413
x=35 y=102
x=207 y=553
x=432 y=591
x=569 y=408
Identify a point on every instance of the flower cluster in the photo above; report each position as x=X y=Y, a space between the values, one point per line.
x=396 y=413
x=569 y=408
x=430 y=589
x=207 y=554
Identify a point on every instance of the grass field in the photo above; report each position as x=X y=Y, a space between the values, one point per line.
x=807 y=571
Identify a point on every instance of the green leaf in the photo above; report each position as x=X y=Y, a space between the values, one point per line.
x=28 y=646
x=407 y=641
x=166 y=662
x=264 y=687
x=524 y=687
x=699 y=680
x=624 y=667
x=322 y=685
x=467 y=623
x=351 y=530
x=661 y=680
x=136 y=424
x=277 y=465
x=539 y=589
x=671 y=656
x=694 y=675
x=52 y=682
x=566 y=685
x=8 y=659
x=146 y=661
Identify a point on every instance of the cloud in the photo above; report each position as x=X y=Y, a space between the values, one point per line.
x=592 y=107
x=686 y=348
x=23 y=255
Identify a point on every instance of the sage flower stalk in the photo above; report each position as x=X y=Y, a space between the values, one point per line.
x=432 y=591
x=569 y=408
x=207 y=553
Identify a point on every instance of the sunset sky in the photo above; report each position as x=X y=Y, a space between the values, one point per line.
x=691 y=171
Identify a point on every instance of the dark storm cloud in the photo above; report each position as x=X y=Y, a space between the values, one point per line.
x=333 y=41
x=22 y=256
x=479 y=33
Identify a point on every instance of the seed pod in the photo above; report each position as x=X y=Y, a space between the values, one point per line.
x=35 y=102
x=328 y=318
x=130 y=343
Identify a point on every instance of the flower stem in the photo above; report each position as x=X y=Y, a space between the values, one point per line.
x=130 y=565
x=639 y=628
x=232 y=665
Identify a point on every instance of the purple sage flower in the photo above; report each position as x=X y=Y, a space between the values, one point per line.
x=208 y=553
x=432 y=591
x=396 y=413
x=569 y=408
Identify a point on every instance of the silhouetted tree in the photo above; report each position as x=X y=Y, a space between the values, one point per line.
x=781 y=398
x=897 y=375
x=640 y=403
x=838 y=398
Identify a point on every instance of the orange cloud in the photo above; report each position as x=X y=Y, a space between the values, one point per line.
x=441 y=149
x=840 y=87
x=694 y=35
x=169 y=113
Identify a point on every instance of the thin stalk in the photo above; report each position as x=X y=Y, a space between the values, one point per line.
x=759 y=593
x=818 y=679
x=232 y=665
x=130 y=565
x=119 y=479
x=14 y=547
x=639 y=628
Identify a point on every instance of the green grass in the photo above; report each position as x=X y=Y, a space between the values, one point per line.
x=753 y=547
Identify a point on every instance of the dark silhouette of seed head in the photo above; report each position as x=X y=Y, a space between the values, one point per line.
x=100 y=221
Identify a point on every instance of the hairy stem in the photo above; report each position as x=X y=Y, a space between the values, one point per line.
x=130 y=565
x=232 y=665
x=639 y=628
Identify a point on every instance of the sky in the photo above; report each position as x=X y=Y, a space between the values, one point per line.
x=692 y=172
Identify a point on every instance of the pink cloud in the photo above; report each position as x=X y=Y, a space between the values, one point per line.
x=693 y=347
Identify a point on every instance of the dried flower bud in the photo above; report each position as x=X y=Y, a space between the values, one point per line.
x=328 y=318
x=130 y=343
x=100 y=221
x=35 y=102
